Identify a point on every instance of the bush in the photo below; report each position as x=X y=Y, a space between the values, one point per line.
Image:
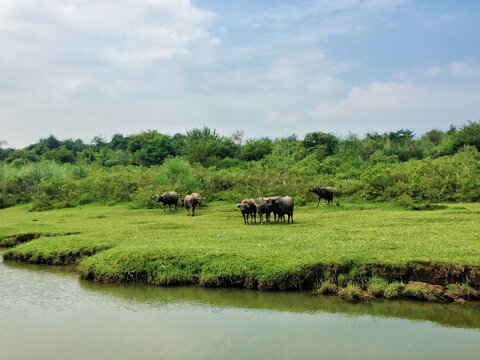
x=178 y=175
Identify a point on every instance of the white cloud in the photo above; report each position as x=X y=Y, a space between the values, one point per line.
x=460 y=68
x=92 y=31
x=389 y=105
x=324 y=84
x=81 y=68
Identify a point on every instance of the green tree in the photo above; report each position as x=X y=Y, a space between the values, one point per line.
x=156 y=150
x=109 y=157
x=178 y=144
x=468 y=135
x=312 y=140
x=139 y=141
x=62 y=154
x=255 y=150
x=45 y=144
x=22 y=156
x=118 y=142
x=205 y=146
x=98 y=143
x=434 y=137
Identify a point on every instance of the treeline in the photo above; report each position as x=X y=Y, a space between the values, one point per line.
x=208 y=148
x=395 y=166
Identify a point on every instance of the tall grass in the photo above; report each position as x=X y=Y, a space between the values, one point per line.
x=414 y=184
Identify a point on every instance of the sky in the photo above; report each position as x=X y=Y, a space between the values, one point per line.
x=86 y=68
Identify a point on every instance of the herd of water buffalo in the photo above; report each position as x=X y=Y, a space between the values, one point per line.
x=280 y=206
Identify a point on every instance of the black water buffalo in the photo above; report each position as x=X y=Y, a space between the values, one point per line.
x=168 y=198
x=323 y=193
x=247 y=207
x=283 y=205
x=265 y=207
x=191 y=201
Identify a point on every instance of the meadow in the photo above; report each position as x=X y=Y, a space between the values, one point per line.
x=214 y=248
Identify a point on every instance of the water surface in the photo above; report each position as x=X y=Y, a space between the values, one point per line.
x=48 y=313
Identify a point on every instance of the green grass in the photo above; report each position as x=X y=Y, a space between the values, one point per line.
x=214 y=248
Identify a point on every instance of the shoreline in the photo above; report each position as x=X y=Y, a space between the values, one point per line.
x=421 y=281
x=357 y=252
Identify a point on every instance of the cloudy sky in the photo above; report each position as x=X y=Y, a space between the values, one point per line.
x=82 y=68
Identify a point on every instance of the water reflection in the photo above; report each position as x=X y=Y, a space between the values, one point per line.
x=47 y=313
x=466 y=316
x=140 y=295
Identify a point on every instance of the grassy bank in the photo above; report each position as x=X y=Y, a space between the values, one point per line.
x=343 y=245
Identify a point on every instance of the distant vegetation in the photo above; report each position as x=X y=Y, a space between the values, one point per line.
x=398 y=167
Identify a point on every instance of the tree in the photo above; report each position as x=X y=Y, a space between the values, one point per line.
x=139 y=141
x=98 y=143
x=62 y=154
x=205 y=145
x=118 y=142
x=468 y=135
x=45 y=144
x=155 y=151
x=22 y=156
x=237 y=136
x=312 y=140
x=109 y=157
x=401 y=136
x=255 y=150
x=434 y=137
x=178 y=144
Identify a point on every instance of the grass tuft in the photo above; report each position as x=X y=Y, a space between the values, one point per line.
x=419 y=291
x=377 y=286
x=354 y=293
x=327 y=288
x=394 y=290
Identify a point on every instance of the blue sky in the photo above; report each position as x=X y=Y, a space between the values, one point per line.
x=78 y=69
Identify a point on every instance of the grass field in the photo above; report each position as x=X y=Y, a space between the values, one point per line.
x=215 y=247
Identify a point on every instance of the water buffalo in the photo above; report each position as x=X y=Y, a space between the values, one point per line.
x=247 y=207
x=323 y=193
x=191 y=201
x=198 y=197
x=265 y=206
x=168 y=198
x=283 y=205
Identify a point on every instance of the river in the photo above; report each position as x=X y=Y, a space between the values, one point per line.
x=49 y=313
